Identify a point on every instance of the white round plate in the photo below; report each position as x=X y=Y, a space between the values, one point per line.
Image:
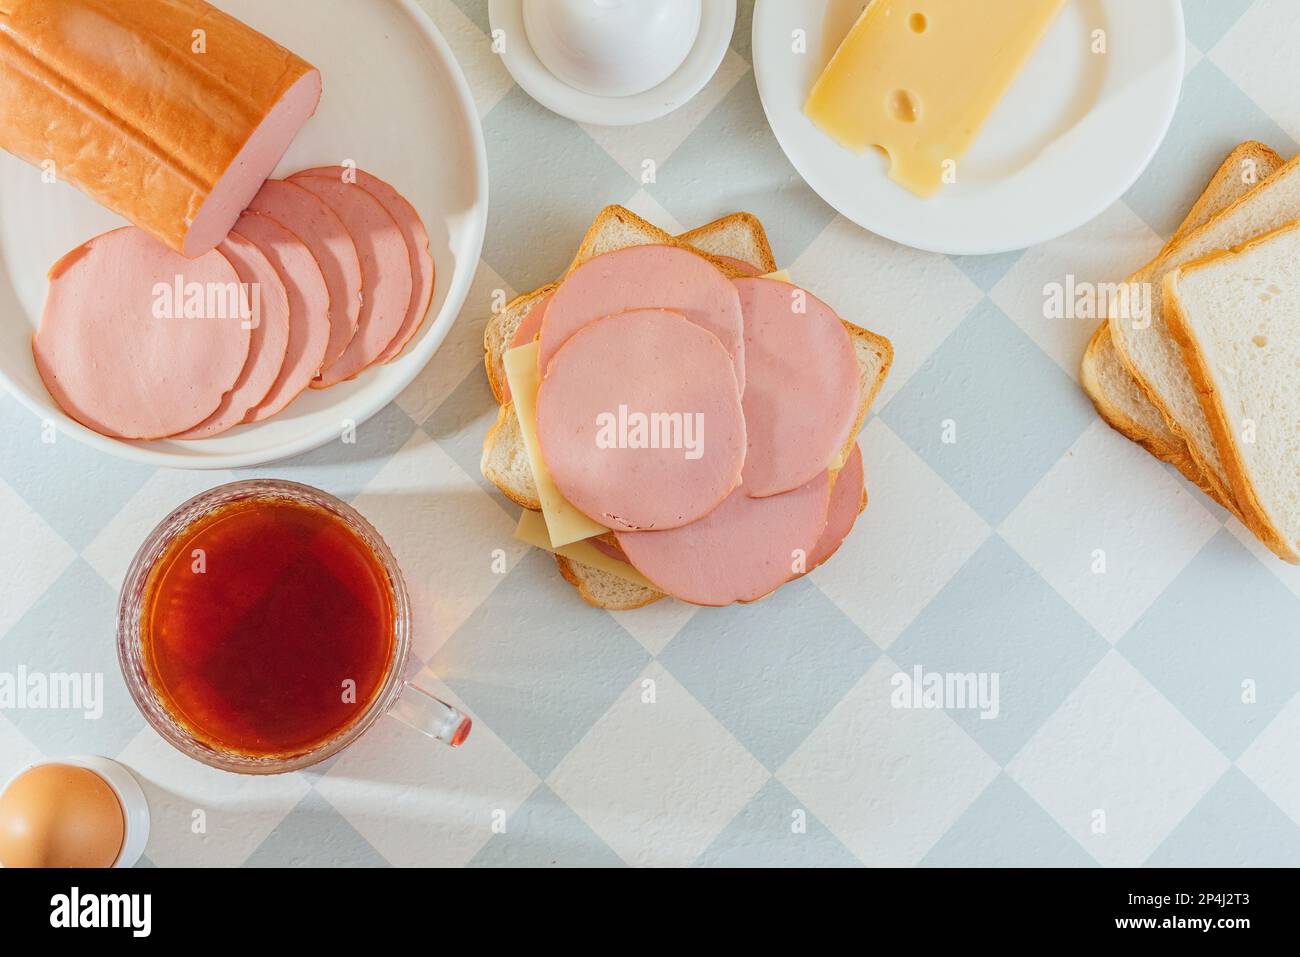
x=1073 y=133
x=398 y=105
x=718 y=21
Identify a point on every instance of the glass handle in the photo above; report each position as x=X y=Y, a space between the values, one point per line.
x=432 y=716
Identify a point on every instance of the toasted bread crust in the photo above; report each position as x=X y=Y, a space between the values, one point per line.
x=584 y=579
x=1207 y=206
x=1174 y=452
x=766 y=260
x=589 y=247
x=1249 y=508
x=882 y=347
x=1210 y=480
x=1198 y=455
x=500 y=329
x=1114 y=416
x=492 y=442
x=623 y=217
x=1167 y=446
x=1175 y=448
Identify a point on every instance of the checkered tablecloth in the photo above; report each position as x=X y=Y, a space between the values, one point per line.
x=1148 y=714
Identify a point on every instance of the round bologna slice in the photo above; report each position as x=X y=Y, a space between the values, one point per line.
x=639 y=421
x=309 y=218
x=417 y=246
x=137 y=342
x=741 y=551
x=268 y=342
x=802 y=388
x=386 y=279
x=848 y=499
x=309 y=302
x=645 y=277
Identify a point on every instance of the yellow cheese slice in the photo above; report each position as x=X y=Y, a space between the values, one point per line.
x=533 y=530
x=918 y=78
x=781 y=274
x=566 y=523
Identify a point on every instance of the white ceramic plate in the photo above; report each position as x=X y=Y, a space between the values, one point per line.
x=1074 y=132
x=717 y=23
x=397 y=103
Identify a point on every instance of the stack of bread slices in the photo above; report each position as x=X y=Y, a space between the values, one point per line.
x=1205 y=374
x=738 y=247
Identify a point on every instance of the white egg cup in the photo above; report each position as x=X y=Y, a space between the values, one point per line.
x=135 y=808
x=612 y=48
x=612 y=62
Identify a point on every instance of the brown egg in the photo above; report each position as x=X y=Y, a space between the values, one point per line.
x=58 y=815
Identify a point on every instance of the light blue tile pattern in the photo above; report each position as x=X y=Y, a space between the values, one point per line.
x=990 y=412
x=1234 y=825
x=997 y=616
x=1213 y=117
x=545 y=833
x=71 y=630
x=546 y=178
x=74 y=488
x=1209 y=20
x=313 y=834
x=757 y=175
x=1005 y=827
x=764 y=672
x=538 y=669
x=1222 y=643
x=774 y=830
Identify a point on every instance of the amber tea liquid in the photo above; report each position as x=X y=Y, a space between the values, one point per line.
x=268 y=627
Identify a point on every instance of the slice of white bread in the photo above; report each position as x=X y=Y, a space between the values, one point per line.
x=1121 y=402
x=501 y=328
x=1249 y=164
x=738 y=236
x=1119 y=399
x=603 y=590
x=1235 y=315
x=1145 y=344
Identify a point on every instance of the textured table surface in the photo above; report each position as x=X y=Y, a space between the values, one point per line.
x=1147 y=715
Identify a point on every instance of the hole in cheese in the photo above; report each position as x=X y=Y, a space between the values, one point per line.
x=918 y=22
x=904 y=107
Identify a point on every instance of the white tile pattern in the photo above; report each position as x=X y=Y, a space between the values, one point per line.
x=573 y=765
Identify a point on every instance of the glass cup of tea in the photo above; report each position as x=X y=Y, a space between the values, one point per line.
x=264 y=626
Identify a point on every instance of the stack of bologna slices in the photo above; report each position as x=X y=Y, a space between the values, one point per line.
x=697 y=420
x=324 y=275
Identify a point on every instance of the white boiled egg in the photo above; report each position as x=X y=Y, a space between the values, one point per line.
x=612 y=48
